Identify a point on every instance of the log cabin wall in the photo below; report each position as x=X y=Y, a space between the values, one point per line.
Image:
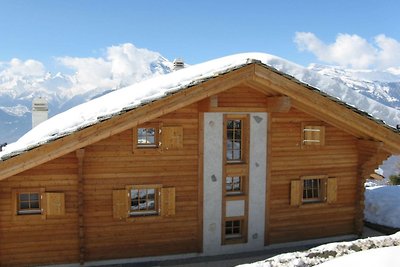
x=28 y=240
x=113 y=164
x=288 y=161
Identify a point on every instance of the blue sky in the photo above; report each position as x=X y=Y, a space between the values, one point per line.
x=200 y=30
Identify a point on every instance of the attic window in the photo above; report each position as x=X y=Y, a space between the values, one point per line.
x=313 y=135
x=29 y=203
x=147 y=136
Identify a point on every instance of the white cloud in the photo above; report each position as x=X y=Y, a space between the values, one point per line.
x=17 y=67
x=122 y=65
x=352 y=50
x=90 y=72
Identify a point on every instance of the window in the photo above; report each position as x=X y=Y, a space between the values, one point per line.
x=146 y=136
x=234 y=142
x=312 y=190
x=154 y=135
x=28 y=203
x=144 y=200
x=235 y=138
x=313 y=135
x=37 y=203
x=233 y=229
x=234 y=185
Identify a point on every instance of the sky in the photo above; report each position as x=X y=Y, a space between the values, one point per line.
x=354 y=34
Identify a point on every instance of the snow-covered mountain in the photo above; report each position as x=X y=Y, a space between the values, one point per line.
x=382 y=86
x=123 y=66
x=126 y=65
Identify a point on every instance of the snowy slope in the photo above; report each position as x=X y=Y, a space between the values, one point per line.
x=21 y=81
x=138 y=94
x=322 y=255
x=380 y=85
x=382 y=205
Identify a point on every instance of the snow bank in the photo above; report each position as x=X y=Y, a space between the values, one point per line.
x=325 y=253
x=141 y=93
x=382 y=205
x=382 y=257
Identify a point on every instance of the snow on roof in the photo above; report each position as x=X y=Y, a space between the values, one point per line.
x=133 y=96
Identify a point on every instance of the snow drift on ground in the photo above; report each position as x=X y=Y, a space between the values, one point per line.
x=328 y=252
x=141 y=93
x=382 y=205
x=382 y=257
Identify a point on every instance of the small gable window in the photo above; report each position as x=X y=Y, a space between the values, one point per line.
x=29 y=203
x=313 y=135
x=147 y=135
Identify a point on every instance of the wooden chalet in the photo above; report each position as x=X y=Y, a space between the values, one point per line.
x=235 y=161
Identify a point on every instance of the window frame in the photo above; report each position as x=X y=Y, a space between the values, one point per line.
x=322 y=189
x=157 y=128
x=157 y=200
x=234 y=238
x=244 y=118
x=39 y=214
x=242 y=183
x=29 y=210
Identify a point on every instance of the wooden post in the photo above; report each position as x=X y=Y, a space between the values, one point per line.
x=81 y=226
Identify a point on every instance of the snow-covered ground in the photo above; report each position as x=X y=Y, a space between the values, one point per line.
x=381 y=207
x=361 y=252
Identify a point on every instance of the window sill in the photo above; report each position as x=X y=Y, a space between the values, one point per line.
x=240 y=196
x=313 y=204
x=234 y=240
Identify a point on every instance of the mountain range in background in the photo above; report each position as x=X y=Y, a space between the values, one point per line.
x=125 y=65
x=93 y=77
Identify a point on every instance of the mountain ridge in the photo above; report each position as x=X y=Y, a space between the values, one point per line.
x=64 y=91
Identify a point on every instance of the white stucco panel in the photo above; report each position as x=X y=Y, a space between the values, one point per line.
x=234 y=208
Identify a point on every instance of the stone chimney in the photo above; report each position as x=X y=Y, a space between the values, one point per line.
x=40 y=111
x=178 y=64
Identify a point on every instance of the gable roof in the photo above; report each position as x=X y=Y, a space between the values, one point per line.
x=127 y=107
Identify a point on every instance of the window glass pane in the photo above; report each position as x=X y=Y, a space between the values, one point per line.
x=143 y=201
x=23 y=205
x=238 y=124
x=34 y=197
x=236 y=155
x=24 y=197
x=228 y=184
x=34 y=205
x=146 y=136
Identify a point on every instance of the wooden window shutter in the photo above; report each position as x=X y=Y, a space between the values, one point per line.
x=120 y=204
x=168 y=201
x=295 y=193
x=172 y=137
x=314 y=135
x=331 y=194
x=55 y=204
